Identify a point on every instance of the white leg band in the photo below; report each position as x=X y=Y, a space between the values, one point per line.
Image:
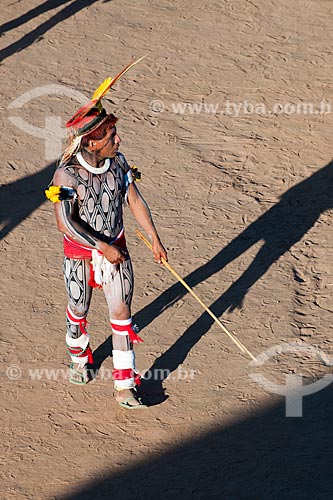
x=122 y=322
x=120 y=385
x=123 y=359
x=81 y=342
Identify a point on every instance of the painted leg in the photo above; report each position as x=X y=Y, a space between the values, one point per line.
x=76 y=274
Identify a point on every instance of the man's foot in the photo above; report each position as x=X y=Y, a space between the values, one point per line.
x=78 y=374
x=129 y=399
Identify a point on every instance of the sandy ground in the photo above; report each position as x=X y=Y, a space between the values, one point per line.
x=242 y=198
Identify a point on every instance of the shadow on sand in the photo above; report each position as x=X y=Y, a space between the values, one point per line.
x=264 y=456
x=36 y=34
x=280 y=228
x=20 y=198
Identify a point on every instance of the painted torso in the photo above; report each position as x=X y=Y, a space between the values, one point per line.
x=100 y=197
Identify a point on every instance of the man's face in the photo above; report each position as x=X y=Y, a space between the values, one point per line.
x=108 y=146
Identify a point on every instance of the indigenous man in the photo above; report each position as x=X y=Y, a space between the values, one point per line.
x=91 y=183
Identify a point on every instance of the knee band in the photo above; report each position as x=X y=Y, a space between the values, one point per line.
x=125 y=327
x=77 y=321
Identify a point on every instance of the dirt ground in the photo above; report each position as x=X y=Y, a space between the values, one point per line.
x=237 y=169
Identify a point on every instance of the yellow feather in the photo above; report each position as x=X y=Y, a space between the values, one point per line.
x=102 y=89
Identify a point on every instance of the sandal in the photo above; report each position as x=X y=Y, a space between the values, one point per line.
x=76 y=376
x=126 y=403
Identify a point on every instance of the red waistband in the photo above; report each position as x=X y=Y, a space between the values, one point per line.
x=74 y=250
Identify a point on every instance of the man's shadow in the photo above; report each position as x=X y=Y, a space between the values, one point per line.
x=279 y=228
x=20 y=198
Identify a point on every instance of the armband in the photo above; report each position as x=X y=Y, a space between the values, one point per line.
x=135 y=174
x=60 y=193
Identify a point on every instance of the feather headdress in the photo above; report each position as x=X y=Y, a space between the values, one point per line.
x=92 y=114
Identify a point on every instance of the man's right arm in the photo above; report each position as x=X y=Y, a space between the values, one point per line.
x=64 y=210
x=64 y=214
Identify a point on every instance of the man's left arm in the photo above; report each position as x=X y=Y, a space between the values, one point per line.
x=142 y=215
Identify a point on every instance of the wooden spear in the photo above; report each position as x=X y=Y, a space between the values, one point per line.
x=189 y=289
